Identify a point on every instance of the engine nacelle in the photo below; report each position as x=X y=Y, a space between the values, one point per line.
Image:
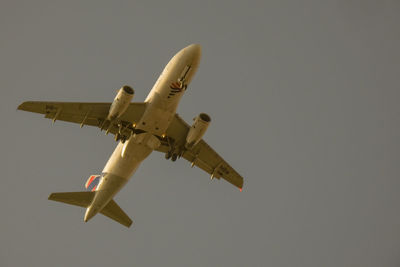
x=121 y=102
x=197 y=130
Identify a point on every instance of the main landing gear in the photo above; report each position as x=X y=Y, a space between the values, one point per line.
x=121 y=137
x=172 y=156
x=122 y=133
x=171 y=152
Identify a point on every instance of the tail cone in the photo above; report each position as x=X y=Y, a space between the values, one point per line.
x=90 y=212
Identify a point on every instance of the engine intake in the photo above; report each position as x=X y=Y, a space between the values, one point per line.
x=127 y=89
x=121 y=102
x=197 y=130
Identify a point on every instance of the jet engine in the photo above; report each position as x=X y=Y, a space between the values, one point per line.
x=197 y=130
x=121 y=102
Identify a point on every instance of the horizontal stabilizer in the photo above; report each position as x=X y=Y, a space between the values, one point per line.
x=81 y=199
x=113 y=211
x=84 y=199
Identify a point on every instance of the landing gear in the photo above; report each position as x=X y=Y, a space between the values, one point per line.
x=121 y=137
x=171 y=153
x=172 y=156
x=117 y=137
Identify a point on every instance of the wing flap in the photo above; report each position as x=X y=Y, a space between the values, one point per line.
x=204 y=157
x=96 y=109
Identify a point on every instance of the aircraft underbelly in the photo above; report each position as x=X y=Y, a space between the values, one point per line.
x=127 y=156
x=167 y=92
x=160 y=110
x=124 y=161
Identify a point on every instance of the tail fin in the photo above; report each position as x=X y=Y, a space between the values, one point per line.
x=84 y=199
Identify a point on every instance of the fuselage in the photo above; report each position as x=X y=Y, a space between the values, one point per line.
x=161 y=105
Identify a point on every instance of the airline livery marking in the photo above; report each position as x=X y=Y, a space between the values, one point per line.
x=92 y=182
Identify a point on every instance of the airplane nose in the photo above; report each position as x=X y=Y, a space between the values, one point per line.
x=193 y=54
x=195 y=49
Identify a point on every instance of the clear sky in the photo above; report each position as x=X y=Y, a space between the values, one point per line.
x=303 y=97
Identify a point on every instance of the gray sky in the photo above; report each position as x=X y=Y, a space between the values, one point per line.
x=303 y=97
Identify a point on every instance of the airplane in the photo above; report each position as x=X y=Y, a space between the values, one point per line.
x=140 y=128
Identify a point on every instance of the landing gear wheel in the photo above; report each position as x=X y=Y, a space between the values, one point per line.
x=123 y=139
x=168 y=155
x=174 y=157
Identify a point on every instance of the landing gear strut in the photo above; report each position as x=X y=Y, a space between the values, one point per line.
x=117 y=137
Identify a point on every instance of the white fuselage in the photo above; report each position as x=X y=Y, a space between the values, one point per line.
x=161 y=105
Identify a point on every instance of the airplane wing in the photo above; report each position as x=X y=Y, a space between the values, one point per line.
x=201 y=155
x=92 y=114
